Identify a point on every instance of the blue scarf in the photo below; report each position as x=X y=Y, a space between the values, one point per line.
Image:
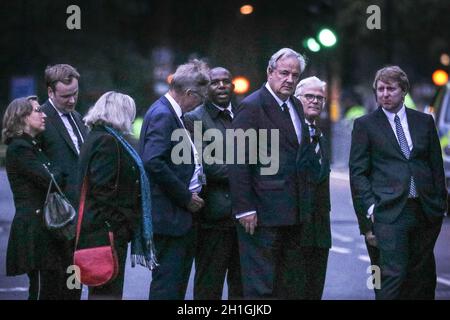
x=142 y=246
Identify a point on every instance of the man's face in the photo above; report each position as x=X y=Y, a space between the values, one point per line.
x=284 y=78
x=65 y=96
x=220 y=88
x=389 y=95
x=313 y=100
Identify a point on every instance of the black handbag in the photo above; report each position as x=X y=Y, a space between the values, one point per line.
x=59 y=214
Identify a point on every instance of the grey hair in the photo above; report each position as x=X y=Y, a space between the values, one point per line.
x=14 y=118
x=285 y=53
x=112 y=109
x=310 y=82
x=193 y=75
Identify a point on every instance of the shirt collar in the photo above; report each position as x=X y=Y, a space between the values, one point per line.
x=175 y=106
x=279 y=101
x=401 y=114
x=57 y=110
x=222 y=108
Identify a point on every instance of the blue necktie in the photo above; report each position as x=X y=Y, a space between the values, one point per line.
x=405 y=150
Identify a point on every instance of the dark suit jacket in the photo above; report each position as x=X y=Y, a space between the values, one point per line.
x=380 y=173
x=113 y=189
x=58 y=146
x=280 y=199
x=317 y=232
x=216 y=193
x=30 y=246
x=169 y=181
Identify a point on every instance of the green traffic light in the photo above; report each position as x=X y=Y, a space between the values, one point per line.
x=312 y=45
x=327 y=38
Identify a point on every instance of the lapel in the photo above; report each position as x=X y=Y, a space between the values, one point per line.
x=413 y=128
x=383 y=122
x=166 y=102
x=79 y=121
x=274 y=113
x=55 y=119
x=325 y=167
x=213 y=119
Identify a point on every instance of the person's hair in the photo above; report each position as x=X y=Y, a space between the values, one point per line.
x=60 y=73
x=392 y=74
x=193 y=75
x=310 y=82
x=14 y=118
x=285 y=53
x=112 y=109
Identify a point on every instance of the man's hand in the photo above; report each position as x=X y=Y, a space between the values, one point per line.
x=249 y=223
x=371 y=239
x=196 y=203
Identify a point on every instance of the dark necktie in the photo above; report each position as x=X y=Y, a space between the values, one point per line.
x=74 y=129
x=285 y=109
x=406 y=152
x=225 y=114
x=315 y=136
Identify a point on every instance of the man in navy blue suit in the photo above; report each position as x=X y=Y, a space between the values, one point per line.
x=176 y=179
x=271 y=207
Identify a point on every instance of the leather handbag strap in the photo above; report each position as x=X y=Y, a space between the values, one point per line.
x=84 y=188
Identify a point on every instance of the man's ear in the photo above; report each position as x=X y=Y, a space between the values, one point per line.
x=50 y=92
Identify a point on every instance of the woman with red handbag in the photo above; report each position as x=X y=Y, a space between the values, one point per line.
x=114 y=204
x=31 y=248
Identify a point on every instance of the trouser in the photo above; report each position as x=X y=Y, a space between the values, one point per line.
x=408 y=269
x=217 y=256
x=175 y=256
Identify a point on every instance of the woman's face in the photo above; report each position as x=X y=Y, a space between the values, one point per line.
x=35 y=122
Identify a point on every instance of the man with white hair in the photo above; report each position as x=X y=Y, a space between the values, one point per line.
x=316 y=234
x=271 y=208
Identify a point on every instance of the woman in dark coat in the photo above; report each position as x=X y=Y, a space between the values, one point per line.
x=31 y=248
x=115 y=181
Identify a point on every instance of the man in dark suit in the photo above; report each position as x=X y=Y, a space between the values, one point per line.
x=316 y=234
x=176 y=179
x=270 y=204
x=217 y=253
x=61 y=142
x=398 y=188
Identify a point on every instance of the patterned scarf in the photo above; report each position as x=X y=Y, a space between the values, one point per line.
x=142 y=246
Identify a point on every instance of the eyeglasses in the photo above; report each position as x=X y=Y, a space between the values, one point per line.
x=311 y=97
x=37 y=109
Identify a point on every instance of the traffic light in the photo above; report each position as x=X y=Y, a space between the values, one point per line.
x=312 y=45
x=241 y=85
x=440 y=77
x=325 y=38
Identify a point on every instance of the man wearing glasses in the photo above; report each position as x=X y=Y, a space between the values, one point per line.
x=316 y=234
x=175 y=186
x=271 y=208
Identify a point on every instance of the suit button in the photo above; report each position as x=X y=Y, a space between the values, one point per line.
x=137 y=181
x=227 y=195
x=134 y=168
x=38 y=211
